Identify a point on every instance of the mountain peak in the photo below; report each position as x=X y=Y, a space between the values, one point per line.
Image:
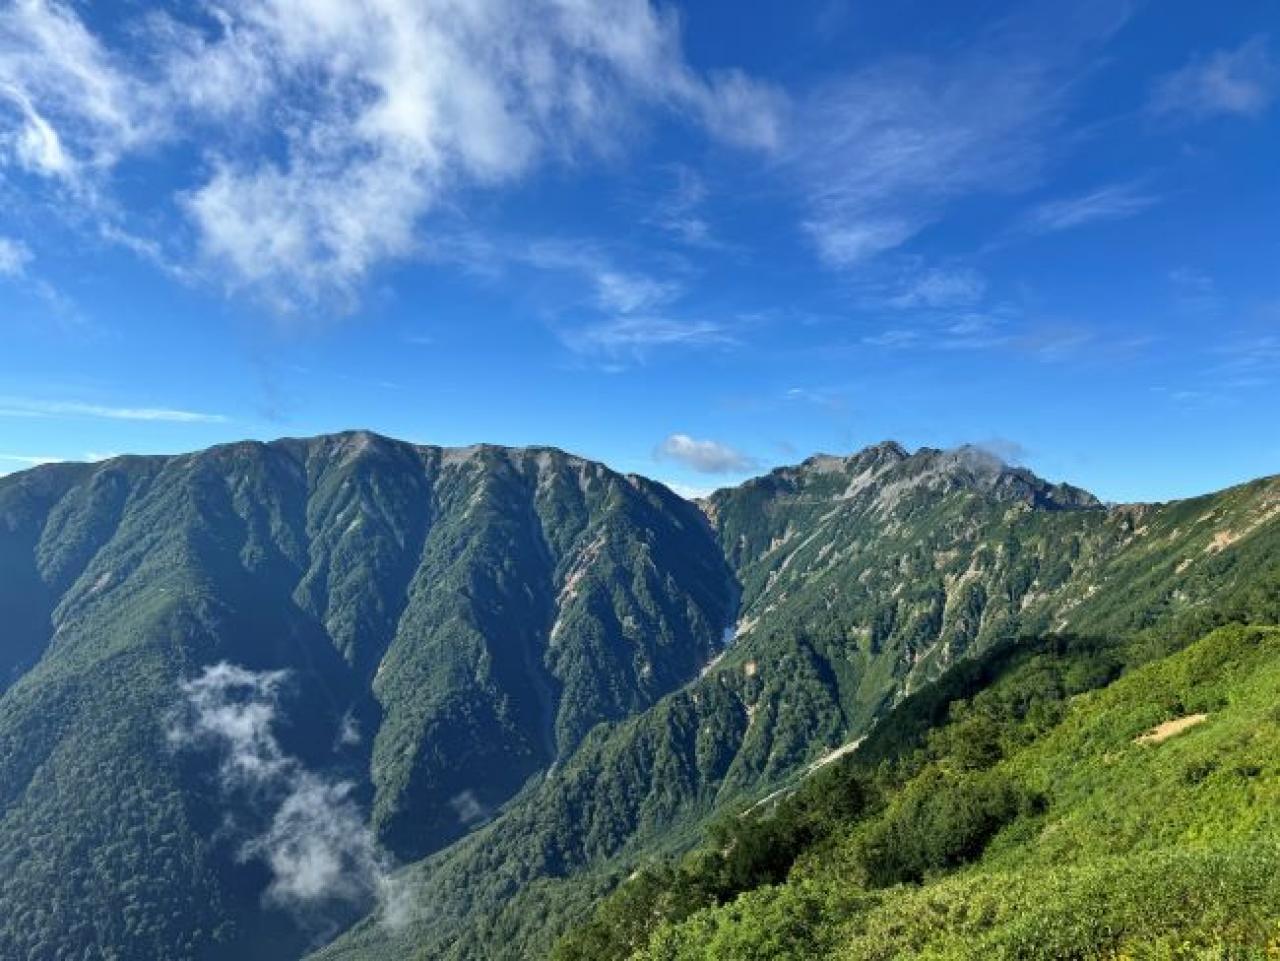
x=885 y=453
x=887 y=470
x=886 y=448
x=977 y=468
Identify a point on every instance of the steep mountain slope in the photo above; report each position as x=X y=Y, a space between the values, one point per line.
x=1037 y=820
x=863 y=578
x=918 y=559
x=477 y=611
x=247 y=679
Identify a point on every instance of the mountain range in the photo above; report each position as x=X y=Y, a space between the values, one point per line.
x=348 y=697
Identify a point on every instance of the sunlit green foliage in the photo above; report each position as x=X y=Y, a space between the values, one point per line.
x=1068 y=837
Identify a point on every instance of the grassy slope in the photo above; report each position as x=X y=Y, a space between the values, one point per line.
x=1131 y=850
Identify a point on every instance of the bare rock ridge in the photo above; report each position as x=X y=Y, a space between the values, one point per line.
x=890 y=469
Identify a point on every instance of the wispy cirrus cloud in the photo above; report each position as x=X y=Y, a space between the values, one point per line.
x=833 y=400
x=882 y=152
x=26 y=407
x=997 y=329
x=605 y=302
x=633 y=337
x=1248 y=362
x=941 y=287
x=1112 y=202
x=16 y=260
x=612 y=288
x=895 y=338
x=1240 y=82
x=14 y=257
x=704 y=456
x=628 y=293
x=679 y=211
x=1194 y=290
x=1241 y=364
x=619 y=314
x=69 y=107
x=392 y=110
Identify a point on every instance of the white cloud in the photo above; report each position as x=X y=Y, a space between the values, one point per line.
x=30 y=460
x=881 y=151
x=635 y=336
x=14 y=257
x=1191 y=279
x=1239 y=82
x=628 y=293
x=76 y=106
x=1001 y=328
x=940 y=287
x=833 y=400
x=690 y=493
x=614 y=290
x=1113 y=202
x=315 y=842
x=895 y=339
x=739 y=110
x=15 y=260
x=1057 y=342
x=36 y=146
x=879 y=154
x=333 y=129
x=1004 y=449
x=704 y=456
x=20 y=407
x=1250 y=360
x=1194 y=289
x=843 y=244
x=597 y=305
x=310 y=229
x=678 y=211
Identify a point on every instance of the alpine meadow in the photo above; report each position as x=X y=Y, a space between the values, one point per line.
x=446 y=514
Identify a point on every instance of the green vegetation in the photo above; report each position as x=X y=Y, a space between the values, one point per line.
x=806 y=673
x=473 y=612
x=529 y=648
x=1035 y=823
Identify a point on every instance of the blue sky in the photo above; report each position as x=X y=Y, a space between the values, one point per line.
x=692 y=241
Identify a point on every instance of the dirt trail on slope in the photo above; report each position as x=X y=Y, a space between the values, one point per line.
x=1162 y=732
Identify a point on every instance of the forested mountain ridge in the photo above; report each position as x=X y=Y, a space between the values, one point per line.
x=513 y=658
x=934 y=556
x=1066 y=799
x=467 y=615
x=942 y=550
